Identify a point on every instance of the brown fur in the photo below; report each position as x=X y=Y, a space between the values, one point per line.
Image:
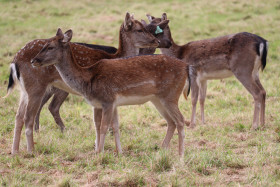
x=241 y=55
x=35 y=81
x=111 y=83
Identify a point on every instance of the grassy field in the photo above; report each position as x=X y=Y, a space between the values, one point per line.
x=223 y=152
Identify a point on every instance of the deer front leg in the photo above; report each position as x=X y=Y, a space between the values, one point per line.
x=202 y=95
x=194 y=96
x=116 y=130
x=107 y=115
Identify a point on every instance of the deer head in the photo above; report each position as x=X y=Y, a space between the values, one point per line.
x=52 y=51
x=136 y=33
x=159 y=28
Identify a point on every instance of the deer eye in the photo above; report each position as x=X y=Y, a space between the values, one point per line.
x=50 y=48
x=139 y=30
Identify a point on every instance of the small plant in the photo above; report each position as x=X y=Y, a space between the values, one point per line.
x=239 y=127
x=64 y=183
x=163 y=162
x=134 y=180
x=203 y=170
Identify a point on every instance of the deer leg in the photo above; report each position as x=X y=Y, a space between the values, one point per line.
x=175 y=114
x=34 y=101
x=19 y=123
x=250 y=84
x=115 y=125
x=97 y=122
x=170 y=124
x=107 y=116
x=194 y=96
x=202 y=95
x=262 y=118
x=58 y=98
x=46 y=97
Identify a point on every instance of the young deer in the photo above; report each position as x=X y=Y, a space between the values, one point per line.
x=108 y=84
x=35 y=81
x=241 y=55
x=59 y=95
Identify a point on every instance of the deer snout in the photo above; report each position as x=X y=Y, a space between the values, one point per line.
x=36 y=62
x=156 y=42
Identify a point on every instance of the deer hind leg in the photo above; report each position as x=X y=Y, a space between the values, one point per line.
x=97 y=122
x=170 y=123
x=194 y=96
x=19 y=123
x=58 y=98
x=251 y=85
x=46 y=97
x=175 y=114
x=107 y=116
x=202 y=95
x=34 y=101
x=262 y=118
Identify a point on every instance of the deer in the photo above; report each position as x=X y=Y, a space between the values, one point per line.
x=59 y=96
x=241 y=55
x=34 y=82
x=110 y=83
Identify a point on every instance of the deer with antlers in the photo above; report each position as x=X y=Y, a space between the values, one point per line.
x=241 y=55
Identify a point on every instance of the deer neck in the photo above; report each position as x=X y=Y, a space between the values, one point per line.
x=173 y=50
x=72 y=74
x=126 y=47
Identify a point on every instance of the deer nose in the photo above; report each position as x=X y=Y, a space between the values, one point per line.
x=35 y=60
x=156 y=41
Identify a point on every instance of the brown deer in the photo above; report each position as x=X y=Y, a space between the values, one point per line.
x=108 y=84
x=59 y=95
x=241 y=55
x=35 y=81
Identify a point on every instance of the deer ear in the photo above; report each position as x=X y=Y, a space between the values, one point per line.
x=163 y=24
x=128 y=21
x=150 y=18
x=67 y=36
x=143 y=22
x=164 y=16
x=59 y=34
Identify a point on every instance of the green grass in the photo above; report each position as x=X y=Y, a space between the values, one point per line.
x=222 y=152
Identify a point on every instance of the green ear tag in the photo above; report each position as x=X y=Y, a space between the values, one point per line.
x=159 y=30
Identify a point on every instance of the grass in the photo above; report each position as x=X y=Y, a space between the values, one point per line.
x=222 y=152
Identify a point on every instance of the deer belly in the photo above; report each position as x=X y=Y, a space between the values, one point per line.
x=132 y=100
x=218 y=74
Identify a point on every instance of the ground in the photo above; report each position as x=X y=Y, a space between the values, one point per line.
x=224 y=151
